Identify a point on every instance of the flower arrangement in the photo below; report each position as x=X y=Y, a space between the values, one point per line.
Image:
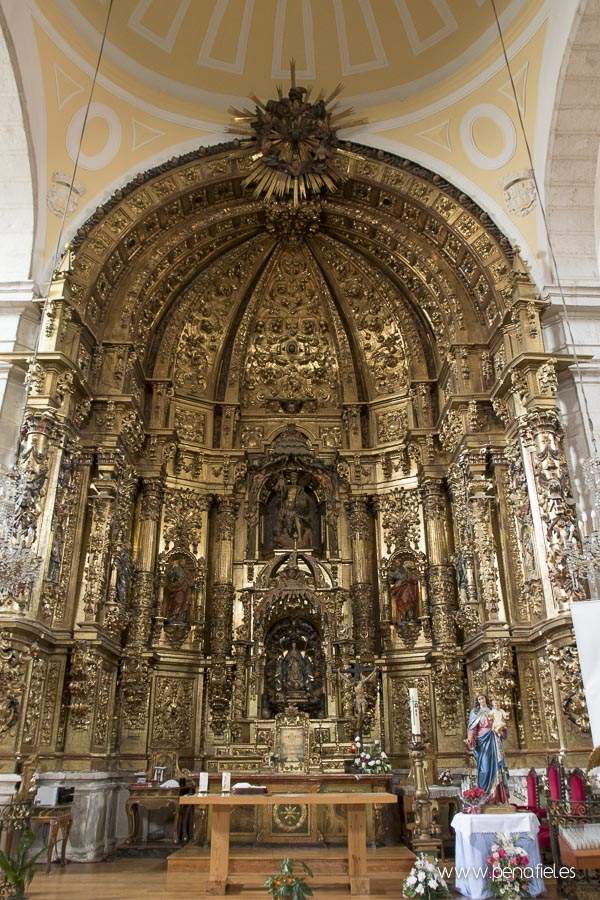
x=285 y=885
x=507 y=861
x=424 y=881
x=369 y=761
x=473 y=799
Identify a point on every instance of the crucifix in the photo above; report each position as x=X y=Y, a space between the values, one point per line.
x=359 y=680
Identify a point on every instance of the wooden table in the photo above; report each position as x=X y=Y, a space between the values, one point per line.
x=150 y=797
x=58 y=819
x=222 y=805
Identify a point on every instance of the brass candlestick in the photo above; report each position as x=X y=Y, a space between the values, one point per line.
x=425 y=839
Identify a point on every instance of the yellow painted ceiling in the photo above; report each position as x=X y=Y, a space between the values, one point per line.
x=428 y=75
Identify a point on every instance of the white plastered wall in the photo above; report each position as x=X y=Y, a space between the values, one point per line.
x=18 y=316
x=572 y=194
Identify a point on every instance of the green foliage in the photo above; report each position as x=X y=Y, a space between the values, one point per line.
x=19 y=868
x=285 y=885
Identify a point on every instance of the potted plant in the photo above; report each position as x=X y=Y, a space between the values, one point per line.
x=424 y=881
x=286 y=885
x=18 y=869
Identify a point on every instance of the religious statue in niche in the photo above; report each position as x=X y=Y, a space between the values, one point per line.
x=293 y=668
x=486 y=733
x=178 y=590
x=528 y=551
x=404 y=586
x=292 y=515
x=294 y=673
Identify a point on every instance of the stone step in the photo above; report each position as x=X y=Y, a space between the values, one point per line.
x=250 y=864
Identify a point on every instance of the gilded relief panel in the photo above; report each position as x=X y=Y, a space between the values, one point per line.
x=291 y=361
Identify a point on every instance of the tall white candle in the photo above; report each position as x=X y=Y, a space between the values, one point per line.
x=413 y=701
x=203 y=783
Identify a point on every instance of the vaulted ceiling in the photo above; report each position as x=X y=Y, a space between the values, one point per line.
x=428 y=74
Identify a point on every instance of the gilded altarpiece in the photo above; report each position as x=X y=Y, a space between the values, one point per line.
x=269 y=451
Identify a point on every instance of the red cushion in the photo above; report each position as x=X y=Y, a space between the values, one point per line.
x=576 y=786
x=544 y=838
x=554 y=782
x=532 y=793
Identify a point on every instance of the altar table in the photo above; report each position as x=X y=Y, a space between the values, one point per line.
x=475 y=834
x=222 y=805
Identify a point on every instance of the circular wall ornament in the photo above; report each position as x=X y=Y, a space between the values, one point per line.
x=507 y=129
x=112 y=144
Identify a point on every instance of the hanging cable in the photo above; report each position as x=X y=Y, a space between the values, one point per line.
x=574 y=353
x=74 y=173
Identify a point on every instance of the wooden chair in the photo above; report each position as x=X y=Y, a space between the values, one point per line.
x=534 y=805
x=58 y=819
x=162 y=766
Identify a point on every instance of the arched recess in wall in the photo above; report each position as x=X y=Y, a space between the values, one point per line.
x=17 y=189
x=393 y=332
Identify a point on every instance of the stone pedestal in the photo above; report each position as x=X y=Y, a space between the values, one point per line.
x=99 y=817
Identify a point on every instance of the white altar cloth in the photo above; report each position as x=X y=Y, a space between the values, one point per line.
x=476 y=833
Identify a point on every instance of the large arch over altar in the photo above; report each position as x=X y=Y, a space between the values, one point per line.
x=267 y=446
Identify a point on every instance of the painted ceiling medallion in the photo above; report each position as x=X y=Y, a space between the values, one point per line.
x=296 y=143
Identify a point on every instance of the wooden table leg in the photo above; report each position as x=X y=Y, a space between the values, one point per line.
x=357 y=850
x=52 y=839
x=219 y=850
x=131 y=807
x=65 y=837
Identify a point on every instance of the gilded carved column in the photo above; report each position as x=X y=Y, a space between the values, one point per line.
x=221 y=612
x=135 y=670
x=481 y=499
x=102 y=499
x=468 y=615
x=448 y=663
x=553 y=506
x=440 y=573
x=362 y=591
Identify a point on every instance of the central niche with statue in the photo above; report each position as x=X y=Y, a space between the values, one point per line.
x=294 y=668
x=291 y=513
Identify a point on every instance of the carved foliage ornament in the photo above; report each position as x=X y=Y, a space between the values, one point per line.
x=13 y=663
x=399 y=510
x=173 y=718
x=565 y=662
x=183 y=518
x=85 y=669
x=291 y=356
x=449 y=685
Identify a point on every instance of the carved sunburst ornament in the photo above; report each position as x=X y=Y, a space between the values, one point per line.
x=295 y=141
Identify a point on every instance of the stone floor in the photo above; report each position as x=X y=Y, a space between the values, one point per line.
x=128 y=879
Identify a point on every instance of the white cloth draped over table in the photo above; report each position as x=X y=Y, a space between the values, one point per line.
x=475 y=835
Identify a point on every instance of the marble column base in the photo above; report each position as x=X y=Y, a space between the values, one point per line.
x=99 y=817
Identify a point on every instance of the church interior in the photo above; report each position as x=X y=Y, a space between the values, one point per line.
x=299 y=482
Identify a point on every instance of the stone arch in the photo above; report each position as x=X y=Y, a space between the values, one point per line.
x=18 y=317
x=572 y=182
x=17 y=187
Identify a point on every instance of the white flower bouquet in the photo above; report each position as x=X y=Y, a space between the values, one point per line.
x=508 y=862
x=424 y=881
x=371 y=761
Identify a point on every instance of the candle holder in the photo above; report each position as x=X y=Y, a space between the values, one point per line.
x=425 y=833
